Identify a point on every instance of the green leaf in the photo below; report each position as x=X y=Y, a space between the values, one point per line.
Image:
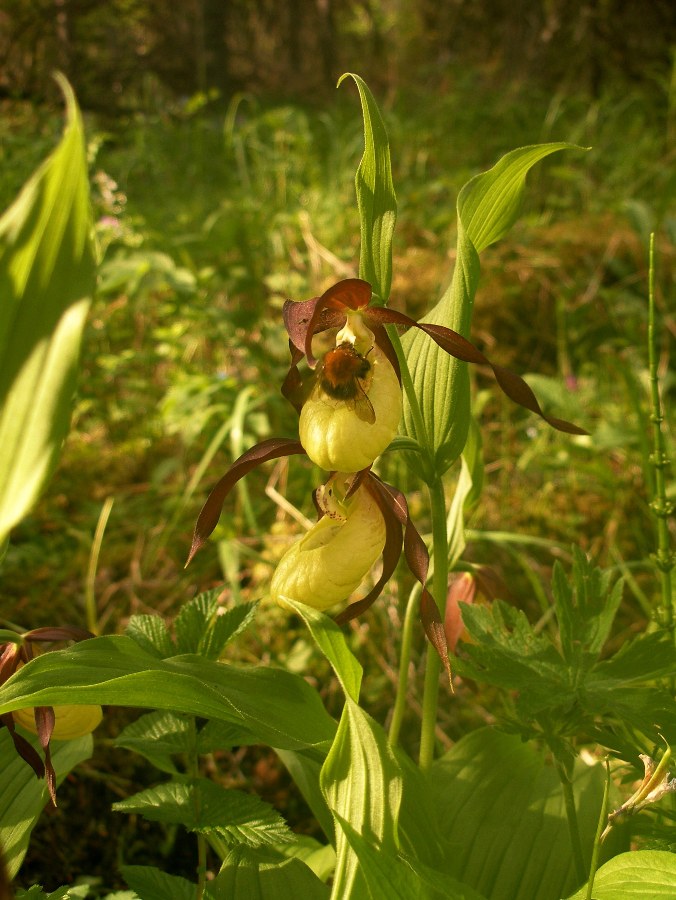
x=641 y=875
x=502 y=813
x=46 y=284
x=362 y=782
x=204 y=806
x=153 y=884
x=376 y=200
x=397 y=878
x=506 y=651
x=305 y=773
x=585 y=610
x=331 y=641
x=260 y=875
x=158 y=736
x=68 y=892
x=151 y=634
x=488 y=206
x=321 y=858
x=23 y=796
x=280 y=708
x=223 y=736
x=205 y=628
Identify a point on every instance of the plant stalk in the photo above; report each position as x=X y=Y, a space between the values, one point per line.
x=193 y=771
x=661 y=507
x=439 y=591
x=571 y=816
x=410 y=618
x=597 y=839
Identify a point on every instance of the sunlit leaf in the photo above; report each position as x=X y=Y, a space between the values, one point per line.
x=361 y=780
x=280 y=708
x=487 y=206
x=260 y=875
x=331 y=641
x=375 y=196
x=46 y=284
x=502 y=814
x=23 y=796
x=641 y=875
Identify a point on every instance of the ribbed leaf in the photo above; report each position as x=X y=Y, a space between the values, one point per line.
x=281 y=709
x=23 y=796
x=261 y=875
x=502 y=813
x=642 y=875
x=488 y=206
x=397 y=878
x=361 y=780
x=46 y=283
x=375 y=196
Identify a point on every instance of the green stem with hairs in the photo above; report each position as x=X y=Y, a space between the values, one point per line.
x=439 y=591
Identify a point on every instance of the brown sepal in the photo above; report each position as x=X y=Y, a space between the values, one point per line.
x=391 y=550
x=273 y=448
x=459 y=347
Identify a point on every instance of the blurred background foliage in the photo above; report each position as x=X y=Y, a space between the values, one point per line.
x=222 y=163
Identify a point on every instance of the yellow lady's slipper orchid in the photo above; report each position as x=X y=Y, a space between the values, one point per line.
x=325 y=566
x=71 y=721
x=354 y=410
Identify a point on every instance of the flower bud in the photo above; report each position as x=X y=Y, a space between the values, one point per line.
x=326 y=565
x=353 y=413
x=71 y=721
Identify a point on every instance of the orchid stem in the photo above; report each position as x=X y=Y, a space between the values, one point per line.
x=439 y=591
x=410 y=619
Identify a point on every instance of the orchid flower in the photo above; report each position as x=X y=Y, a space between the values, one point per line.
x=46 y=722
x=348 y=432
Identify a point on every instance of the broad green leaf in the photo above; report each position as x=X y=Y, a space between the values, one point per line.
x=23 y=796
x=641 y=875
x=204 y=806
x=331 y=641
x=502 y=813
x=361 y=780
x=375 y=196
x=398 y=878
x=281 y=709
x=46 y=284
x=260 y=875
x=153 y=884
x=487 y=206
x=321 y=858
